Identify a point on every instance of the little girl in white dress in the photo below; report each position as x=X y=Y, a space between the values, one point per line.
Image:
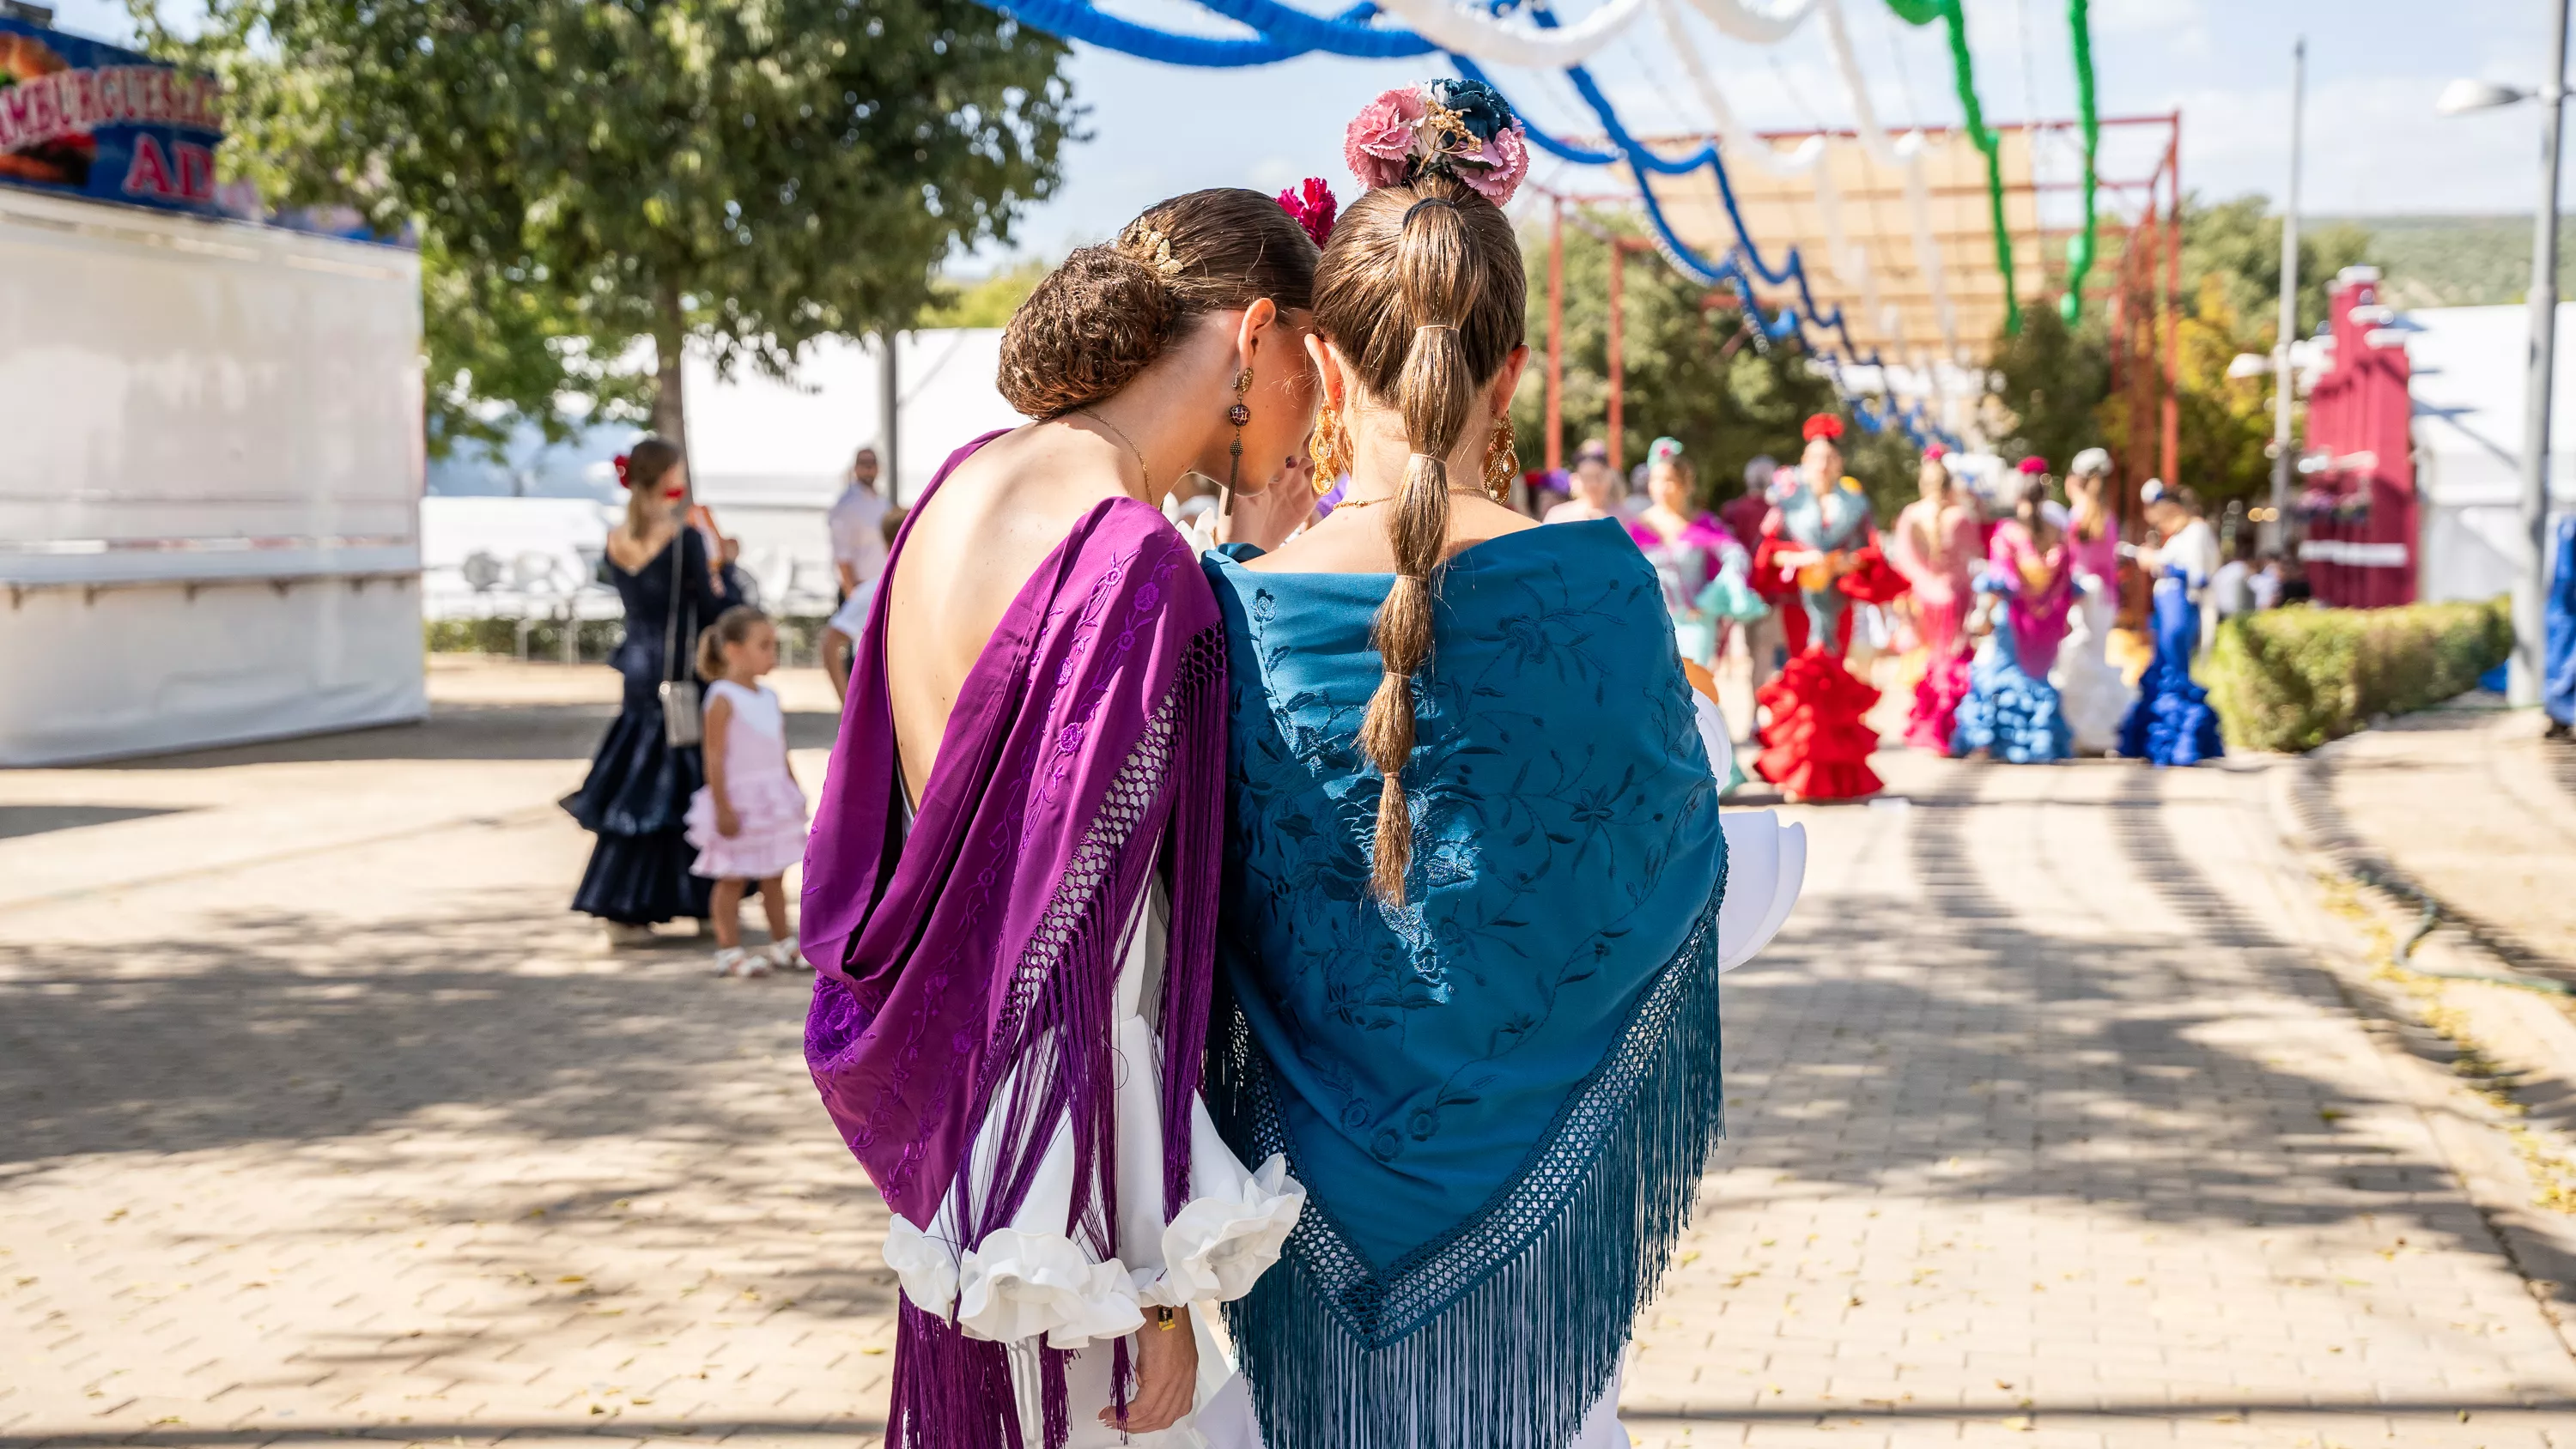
x=748 y=820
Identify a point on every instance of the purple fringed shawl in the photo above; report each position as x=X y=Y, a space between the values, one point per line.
x=1086 y=747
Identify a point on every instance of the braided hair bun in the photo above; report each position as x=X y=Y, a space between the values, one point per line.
x=1105 y=315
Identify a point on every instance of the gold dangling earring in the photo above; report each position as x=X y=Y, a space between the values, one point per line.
x=1502 y=460
x=1327 y=449
x=1239 y=414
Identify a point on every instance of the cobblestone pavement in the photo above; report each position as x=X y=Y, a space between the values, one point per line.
x=2470 y=803
x=321 y=1121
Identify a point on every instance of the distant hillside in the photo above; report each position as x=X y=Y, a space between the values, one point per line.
x=2458 y=261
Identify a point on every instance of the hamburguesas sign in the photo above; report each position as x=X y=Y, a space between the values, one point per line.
x=100 y=121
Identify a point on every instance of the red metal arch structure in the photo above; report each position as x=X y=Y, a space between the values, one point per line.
x=1894 y=305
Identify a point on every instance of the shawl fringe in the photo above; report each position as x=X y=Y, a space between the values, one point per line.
x=1050 y=1058
x=1505 y=1332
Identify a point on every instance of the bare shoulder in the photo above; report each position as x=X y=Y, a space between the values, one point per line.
x=1482 y=522
x=989 y=527
x=631 y=552
x=1354 y=541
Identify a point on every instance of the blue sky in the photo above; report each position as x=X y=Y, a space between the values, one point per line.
x=2374 y=144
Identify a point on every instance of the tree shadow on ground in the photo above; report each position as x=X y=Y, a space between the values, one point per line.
x=1951 y=1046
x=288 y=1025
x=458 y=732
x=1871 y=1045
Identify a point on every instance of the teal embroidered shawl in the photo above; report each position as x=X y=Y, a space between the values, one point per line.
x=1500 y=1096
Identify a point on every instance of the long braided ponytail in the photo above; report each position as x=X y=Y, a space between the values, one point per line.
x=1421 y=291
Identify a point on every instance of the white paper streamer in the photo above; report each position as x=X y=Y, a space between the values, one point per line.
x=1482 y=38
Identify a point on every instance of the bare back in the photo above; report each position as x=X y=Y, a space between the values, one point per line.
x=967 y=556
x=631 y=552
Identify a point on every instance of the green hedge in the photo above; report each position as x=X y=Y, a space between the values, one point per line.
x=2292 y=679
x=797 y=638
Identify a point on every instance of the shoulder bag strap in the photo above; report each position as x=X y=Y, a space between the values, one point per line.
x=679 y=597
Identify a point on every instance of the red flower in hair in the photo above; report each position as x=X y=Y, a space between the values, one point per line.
x=1935 y=453
x=619 y=462
x=1313 y=206
x=1825 y=426
x=2033 y=465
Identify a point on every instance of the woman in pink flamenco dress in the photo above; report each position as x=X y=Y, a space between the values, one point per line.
x=1935 y=546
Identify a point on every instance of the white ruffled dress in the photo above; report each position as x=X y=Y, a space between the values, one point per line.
x=1029 y=1284
x=2092 y=694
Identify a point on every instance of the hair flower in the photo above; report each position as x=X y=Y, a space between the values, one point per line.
x=1479 y=105
x=1378 y=147
x=1313 y=207
x=1501 y=163
x=1825 y=426
x=620 y=463
x=1457 y=128
x=2033 y=466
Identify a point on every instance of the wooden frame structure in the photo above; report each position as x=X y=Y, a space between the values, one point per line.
x=2134 y=282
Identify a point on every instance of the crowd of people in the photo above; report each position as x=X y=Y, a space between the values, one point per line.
x=2025 y=628
x=1264 y=867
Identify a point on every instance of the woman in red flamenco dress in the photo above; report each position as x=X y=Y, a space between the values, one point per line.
x=1821 y=550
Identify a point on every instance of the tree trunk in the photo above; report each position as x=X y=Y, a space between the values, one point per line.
x=669 y=330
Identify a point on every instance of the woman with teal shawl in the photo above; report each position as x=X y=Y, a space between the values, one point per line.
x=1477 y=888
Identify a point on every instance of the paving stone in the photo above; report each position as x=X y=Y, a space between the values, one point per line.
x=321 y=1121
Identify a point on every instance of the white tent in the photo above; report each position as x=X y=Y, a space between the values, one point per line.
x=2468 y=405
x=755 y=438
x=209 y=525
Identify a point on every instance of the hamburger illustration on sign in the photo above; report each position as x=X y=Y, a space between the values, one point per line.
x=81 y=116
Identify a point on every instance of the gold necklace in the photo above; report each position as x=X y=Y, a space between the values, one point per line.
x=1389 y=497
x=1137 y=452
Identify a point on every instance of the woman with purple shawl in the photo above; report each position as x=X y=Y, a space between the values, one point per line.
x=1011 y=889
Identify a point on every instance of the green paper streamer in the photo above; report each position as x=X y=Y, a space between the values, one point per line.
x=1964 y=71
x=2079 y=248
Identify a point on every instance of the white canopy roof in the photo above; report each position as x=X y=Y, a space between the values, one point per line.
x=2468 y=394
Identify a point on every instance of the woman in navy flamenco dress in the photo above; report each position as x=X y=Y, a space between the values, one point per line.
x=2172 y=722
x=636 y=799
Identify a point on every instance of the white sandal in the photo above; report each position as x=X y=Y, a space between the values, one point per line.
x=741 y=961
x=784 y=955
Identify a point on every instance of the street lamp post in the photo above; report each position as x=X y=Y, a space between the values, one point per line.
x=2523 y=681
x=2284 y=379
x=889 y=398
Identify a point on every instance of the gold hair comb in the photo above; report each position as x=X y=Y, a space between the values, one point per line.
x=1155 y=250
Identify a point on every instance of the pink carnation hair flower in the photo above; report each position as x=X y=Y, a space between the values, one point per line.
x=2033 y=466
x=1498 y=167
x=1379 y=144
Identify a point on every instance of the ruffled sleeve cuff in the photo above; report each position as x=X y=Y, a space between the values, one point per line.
x=1020 y=1284
x=1766 y=866
x=1218 y=1245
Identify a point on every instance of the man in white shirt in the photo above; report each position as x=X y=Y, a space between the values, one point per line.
x=2265 y=582
x=855 y=522
x=2189 y=545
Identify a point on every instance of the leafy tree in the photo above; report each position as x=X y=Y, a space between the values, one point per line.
x=2222 y=424
x=2049 y=381
x=745 y=175
x=2239 y=243
x=988 y=302
x=1691 y=370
